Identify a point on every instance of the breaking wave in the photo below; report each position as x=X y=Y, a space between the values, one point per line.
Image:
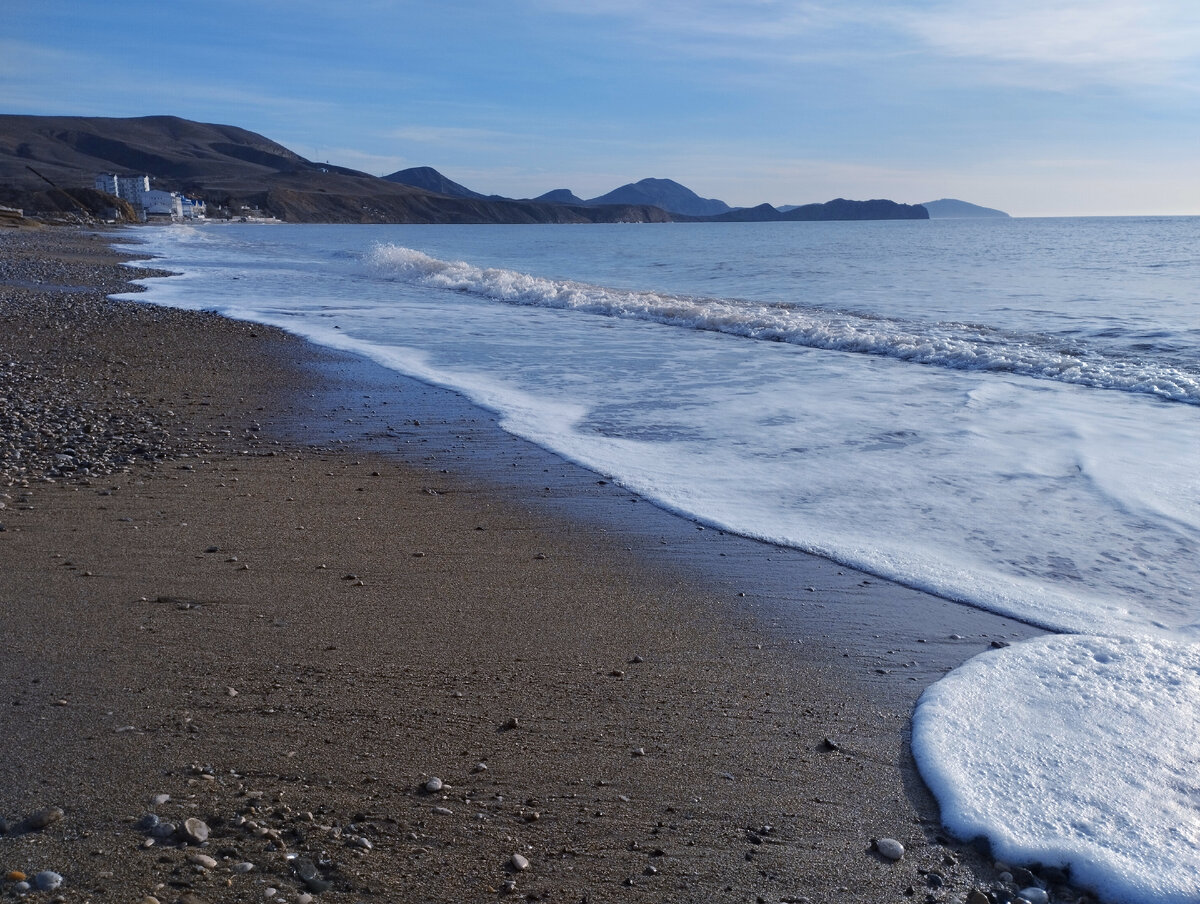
x=957 y=346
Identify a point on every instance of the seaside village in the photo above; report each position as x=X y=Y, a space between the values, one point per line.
x=150 y=203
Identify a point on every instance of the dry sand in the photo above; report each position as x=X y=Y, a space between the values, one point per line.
x=306 y=587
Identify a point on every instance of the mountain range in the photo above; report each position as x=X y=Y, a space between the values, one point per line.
x=49 y=162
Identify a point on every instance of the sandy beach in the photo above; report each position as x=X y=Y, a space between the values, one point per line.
x=383 y=651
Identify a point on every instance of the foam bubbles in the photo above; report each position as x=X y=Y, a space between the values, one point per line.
x=1075 y=751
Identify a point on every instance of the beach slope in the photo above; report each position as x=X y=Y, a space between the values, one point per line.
x=247 y=647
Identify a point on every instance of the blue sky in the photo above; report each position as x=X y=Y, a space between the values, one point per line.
x=1038 y=107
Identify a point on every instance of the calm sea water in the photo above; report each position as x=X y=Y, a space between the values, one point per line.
x=1003 y=412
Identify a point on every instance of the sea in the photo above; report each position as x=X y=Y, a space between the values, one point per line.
x=1003 y=412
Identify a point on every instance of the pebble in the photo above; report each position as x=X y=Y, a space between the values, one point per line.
x=1023 y=877
x=163 y=829
x=443 y=811
x=244 y=867
x=518 y=863
x=40 y=819
x=47 y=880
x=195 y=830
x=160 y=799
x=305 y=869
x=890 y=848
x=434 y=785
x=1033 y=895
x=202 y=860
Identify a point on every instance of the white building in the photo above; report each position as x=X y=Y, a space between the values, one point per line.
x=130 y=188
x=148 y=201
x=192 y=209
x=157 y=203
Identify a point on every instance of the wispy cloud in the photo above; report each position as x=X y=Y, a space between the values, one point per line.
x=1099 y=41
x=1073 y=42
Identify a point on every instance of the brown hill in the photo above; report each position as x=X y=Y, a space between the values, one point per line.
x=230 y=166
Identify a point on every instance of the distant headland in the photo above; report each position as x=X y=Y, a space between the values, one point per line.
x=50 y=164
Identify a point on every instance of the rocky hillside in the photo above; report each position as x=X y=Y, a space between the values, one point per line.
x=48 y=162
x=233 y=167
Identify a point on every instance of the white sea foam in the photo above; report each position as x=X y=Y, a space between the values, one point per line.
x=1077 y=752
x=961 y=346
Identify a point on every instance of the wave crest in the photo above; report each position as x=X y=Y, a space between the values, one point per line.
x=956 y=346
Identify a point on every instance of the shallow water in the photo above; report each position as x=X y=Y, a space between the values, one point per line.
x=1002 y=412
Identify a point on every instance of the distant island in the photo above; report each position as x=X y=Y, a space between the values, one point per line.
x=50 y=164
x=951 y=208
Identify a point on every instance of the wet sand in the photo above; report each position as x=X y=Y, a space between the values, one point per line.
x=304 y=586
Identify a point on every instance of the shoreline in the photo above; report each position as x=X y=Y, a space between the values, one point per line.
x=674 y=689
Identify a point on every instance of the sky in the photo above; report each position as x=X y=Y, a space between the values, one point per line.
x=1036 y=107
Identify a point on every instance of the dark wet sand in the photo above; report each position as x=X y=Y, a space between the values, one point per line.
x=318 y=584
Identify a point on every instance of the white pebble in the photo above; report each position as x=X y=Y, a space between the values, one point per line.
x=890 y=848
x=434 y=785
x=47 y=880
x=244 y=867
x=518 y=862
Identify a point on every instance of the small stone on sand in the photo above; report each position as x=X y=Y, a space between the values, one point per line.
x=890 y=848
x=40 y=819
x=195 y=830
x=47 y=880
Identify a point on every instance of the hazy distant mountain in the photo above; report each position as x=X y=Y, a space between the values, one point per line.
x=560 y=196
x=950 y=207
x=664 y=193
x=837 y=209
x=429 y=179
